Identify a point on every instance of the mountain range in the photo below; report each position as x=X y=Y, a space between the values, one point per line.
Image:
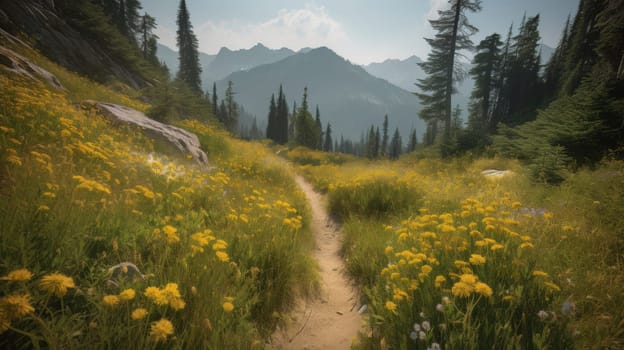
x=349 y=96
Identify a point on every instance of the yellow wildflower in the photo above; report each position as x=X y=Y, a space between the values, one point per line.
x=483 y=289
x=426 y=269
x=468 y=278
x=127 y=294
x=139 y=313
x=439 y=280
x=156 y=295
x=462 y=289
x=497 y=246
x=19 y=275
x=391 y=306
x=477 y=259
x=177 y=304
x=110 y=300
x=552 y=286
x=219 y=245
x=56 y=283
x=171 y=292
x=171 y=233
x=222 y=256
x=161 y=329
x=538 y=273
x=228 y=306
x=16 y=305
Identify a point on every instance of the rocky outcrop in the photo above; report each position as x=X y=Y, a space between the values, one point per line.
x=183 y=140
x=58 y=40
x=17 y=64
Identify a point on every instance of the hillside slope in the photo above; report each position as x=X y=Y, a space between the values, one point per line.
x=348 y=97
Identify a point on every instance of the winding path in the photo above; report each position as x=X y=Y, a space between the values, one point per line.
x=330 y=321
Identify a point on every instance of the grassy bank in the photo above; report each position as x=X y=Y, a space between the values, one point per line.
x=457 y=260
x=221 y=251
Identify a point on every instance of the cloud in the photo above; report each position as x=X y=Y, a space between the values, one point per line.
x=309 y=26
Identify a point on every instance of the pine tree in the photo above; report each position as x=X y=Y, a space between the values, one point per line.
x=413 y=141
x=190 y=70
x=292 y=122
x=318 y=130
x=556 y=65
x=231 y=120
x=305 y=127
x=271 y=131
x=327 y=146
x=396 y=145
x=503 y=89
x=370 y=143
x=441 y=67
x=215 y=99
x=485 y=76
x=384 y=140
x=281 y=118
x=222 y=113
x=148 y=39
x=377 y=143
x=582 y=44
x=523 y=79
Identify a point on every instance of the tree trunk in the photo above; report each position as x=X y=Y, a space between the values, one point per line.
x=449 y=77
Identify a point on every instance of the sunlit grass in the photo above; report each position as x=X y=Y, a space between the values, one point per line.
x=500 y=263
x=221 y=251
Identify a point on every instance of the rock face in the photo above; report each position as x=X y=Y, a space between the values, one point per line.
x=16 y=63
x=59 y=41
x=183 y=140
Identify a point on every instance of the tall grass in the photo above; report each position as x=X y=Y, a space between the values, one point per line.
x=221 y=251
x=483 y=263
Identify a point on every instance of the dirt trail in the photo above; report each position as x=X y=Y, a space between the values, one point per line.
x=330 y=321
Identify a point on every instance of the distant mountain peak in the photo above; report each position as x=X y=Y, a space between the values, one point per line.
x=259 y=46
x=224 y=50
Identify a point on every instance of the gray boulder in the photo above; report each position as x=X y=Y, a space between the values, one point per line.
x=183 y=140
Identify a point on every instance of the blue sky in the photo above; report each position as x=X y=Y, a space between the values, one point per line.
x=362 y=31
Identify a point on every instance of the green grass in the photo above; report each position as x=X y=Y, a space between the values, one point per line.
x=79 y=196
x=553 y=278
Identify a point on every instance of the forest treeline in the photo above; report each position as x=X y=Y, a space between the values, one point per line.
x=555 y=116
x=566 y=113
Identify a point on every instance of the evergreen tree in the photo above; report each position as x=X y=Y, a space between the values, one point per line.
x=384 y=140
x=292 y=122
x=370 y=143
x=556 y=65
x=305 y=127
x=413 y=141
x=215 y=99
x=396 y=145
x=485 y=76
x=190 y=70
x=255 y=131
x=377 y=143
x=222 y=113
x=281 y=118
x=148 y=39
x=327 y=146
x=318 y=130
x=231 y=118
x=503 y=89
x=523 y=79
x=271 y=131
x=441 y=67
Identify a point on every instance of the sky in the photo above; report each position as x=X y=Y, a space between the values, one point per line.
x=362 y=31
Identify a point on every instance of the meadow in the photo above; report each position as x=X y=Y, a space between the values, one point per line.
x=448 y=258
x=111 y=239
